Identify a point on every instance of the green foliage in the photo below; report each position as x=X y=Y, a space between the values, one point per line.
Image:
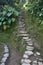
x=35 y=12
x=8 y=15
x=36 y=9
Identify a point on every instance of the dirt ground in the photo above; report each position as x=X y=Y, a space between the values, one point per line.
x=14 y=57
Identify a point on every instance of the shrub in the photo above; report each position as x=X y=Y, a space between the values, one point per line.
x=8 y=15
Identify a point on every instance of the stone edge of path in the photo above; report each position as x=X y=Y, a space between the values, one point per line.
x=5 y=54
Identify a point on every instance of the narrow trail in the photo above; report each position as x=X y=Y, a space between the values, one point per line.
x=30 y=56
x=14 y=57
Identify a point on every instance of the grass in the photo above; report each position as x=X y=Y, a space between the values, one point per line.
x=11 y=38
x=34 y=30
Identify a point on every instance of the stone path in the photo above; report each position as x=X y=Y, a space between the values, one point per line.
x=30 y=56
x=5 y=54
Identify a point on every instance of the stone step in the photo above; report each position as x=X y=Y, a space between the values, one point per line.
x=37 y=53
x=23 y=35
x=21 y=23
x=40 y=63
x=26 y=61
x=2 y=64
x=30 y=44
x=21 y=29
x=25 y=64
x=25 y=38
x=29 y=53
x=29 y=48
x=34 y=62
x=24 y=32
x=6 y=55
x=28 y=40
x=3 y=59
x=6 y=50
x=25 y=56
x=40 y=59
x=23 y=20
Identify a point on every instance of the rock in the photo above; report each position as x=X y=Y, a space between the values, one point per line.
x=21 y=29
x=6 y=55
x=28 y=40
x=21 y=25
x=25 y=38
x=25 y=56
x=23 y=35
x=29 y=53
x=5 y=47
x=4 y=59
x=40 y=59
x=37 y=53
x=40 y=63
x=25 y=64
x=6 y=50
x=34 y=62
x=30 y=44
x=22 y=32
x=29 y=48
x=27 y=61
x=2 y=64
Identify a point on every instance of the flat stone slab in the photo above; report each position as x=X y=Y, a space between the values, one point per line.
x=37 y=53
x=3 y=59
x=26 y=61
x=6 y=50
x=29 y=48
x=25 y=64
x=40 y=59
x=5 y=46
x=26 y=37
x=2 y=64
x=34 y=62
x=21 y=25
x=21 y=29
x=25 y=56
x=40 y=63
x=28 y=40
x=29 y=53
x=6 y=55
x=30 y=44
x=21 y=22
x=23 y=35
x=22 y=32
